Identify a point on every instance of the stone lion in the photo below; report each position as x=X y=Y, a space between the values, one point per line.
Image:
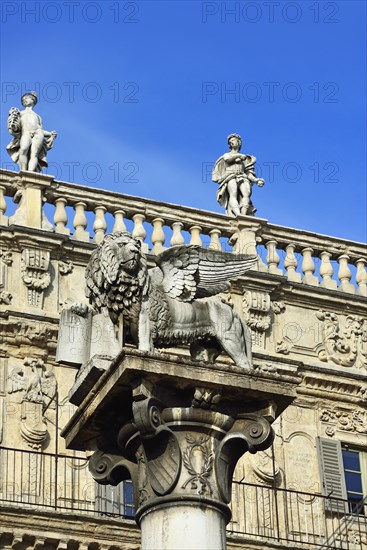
x=174 y=303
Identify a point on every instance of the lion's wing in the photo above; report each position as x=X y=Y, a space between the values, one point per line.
x=192 y=272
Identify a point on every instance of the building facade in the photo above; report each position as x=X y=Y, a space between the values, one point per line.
x=306 y=307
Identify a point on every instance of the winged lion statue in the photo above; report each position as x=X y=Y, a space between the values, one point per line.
x=174 y=303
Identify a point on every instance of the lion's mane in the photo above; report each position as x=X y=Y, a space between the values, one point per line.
x=109 y=284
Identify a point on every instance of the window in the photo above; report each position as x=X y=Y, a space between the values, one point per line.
x=354 y=473
x=117 y=500
x=344 y=476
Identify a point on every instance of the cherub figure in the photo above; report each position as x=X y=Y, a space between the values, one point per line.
x=235 y=174
x=31 y=142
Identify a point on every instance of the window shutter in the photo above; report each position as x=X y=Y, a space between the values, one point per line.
x=332 y=474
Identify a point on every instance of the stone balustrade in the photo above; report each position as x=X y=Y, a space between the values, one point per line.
x=86 y=214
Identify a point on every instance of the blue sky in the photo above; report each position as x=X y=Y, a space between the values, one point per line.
x=143 y=95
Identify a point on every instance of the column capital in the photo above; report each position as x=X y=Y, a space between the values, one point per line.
x=177 y=427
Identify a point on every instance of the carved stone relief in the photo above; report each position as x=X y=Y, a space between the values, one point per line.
x=5 y=297
x=180 y=452
x=283 y=344
x=37 y=388
x=347 y=346
x=256 y=309
x=19 y=335
x=198 y=461
x=354 y=421
x=35 y=274
x=6 y=259
x=205 y=398
x=263 y=468
x=66 y=267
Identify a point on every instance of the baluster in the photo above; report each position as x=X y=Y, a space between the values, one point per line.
x=345 y=274
x=195 y=231
x=119 y=224
x=273 y=258
x=80 y=223
x=3 y=218
x=290 y=264
x=100 y=225
x=158 y=236
x=139 y=232
x=61 y=216
x=177 y=237
x=361 y=277
x=326 y=271
x=308 y=267
x=214 y=239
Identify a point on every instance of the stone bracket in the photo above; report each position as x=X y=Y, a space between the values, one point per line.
x=247 y=434
x=110 y=469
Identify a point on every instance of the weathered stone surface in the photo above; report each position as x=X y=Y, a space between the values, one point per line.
x=89 y=373
x=332 y=395
x=178 y=431
x=84 y=334
x=73 y=344
x=175 y=303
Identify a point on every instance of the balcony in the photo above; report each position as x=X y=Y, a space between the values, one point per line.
x=85 y=214
x=43 y=481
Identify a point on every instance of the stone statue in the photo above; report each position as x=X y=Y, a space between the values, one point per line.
x=174 y=303
x=31 y=142
x=235 y=174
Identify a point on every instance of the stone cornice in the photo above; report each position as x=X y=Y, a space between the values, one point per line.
x=343 y=390
x=69 y=526
x=312 y=297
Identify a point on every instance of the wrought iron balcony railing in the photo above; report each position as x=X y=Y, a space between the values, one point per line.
x=44 y=481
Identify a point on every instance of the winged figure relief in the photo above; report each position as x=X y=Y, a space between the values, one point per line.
x=174 y=303
x=37 y=387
